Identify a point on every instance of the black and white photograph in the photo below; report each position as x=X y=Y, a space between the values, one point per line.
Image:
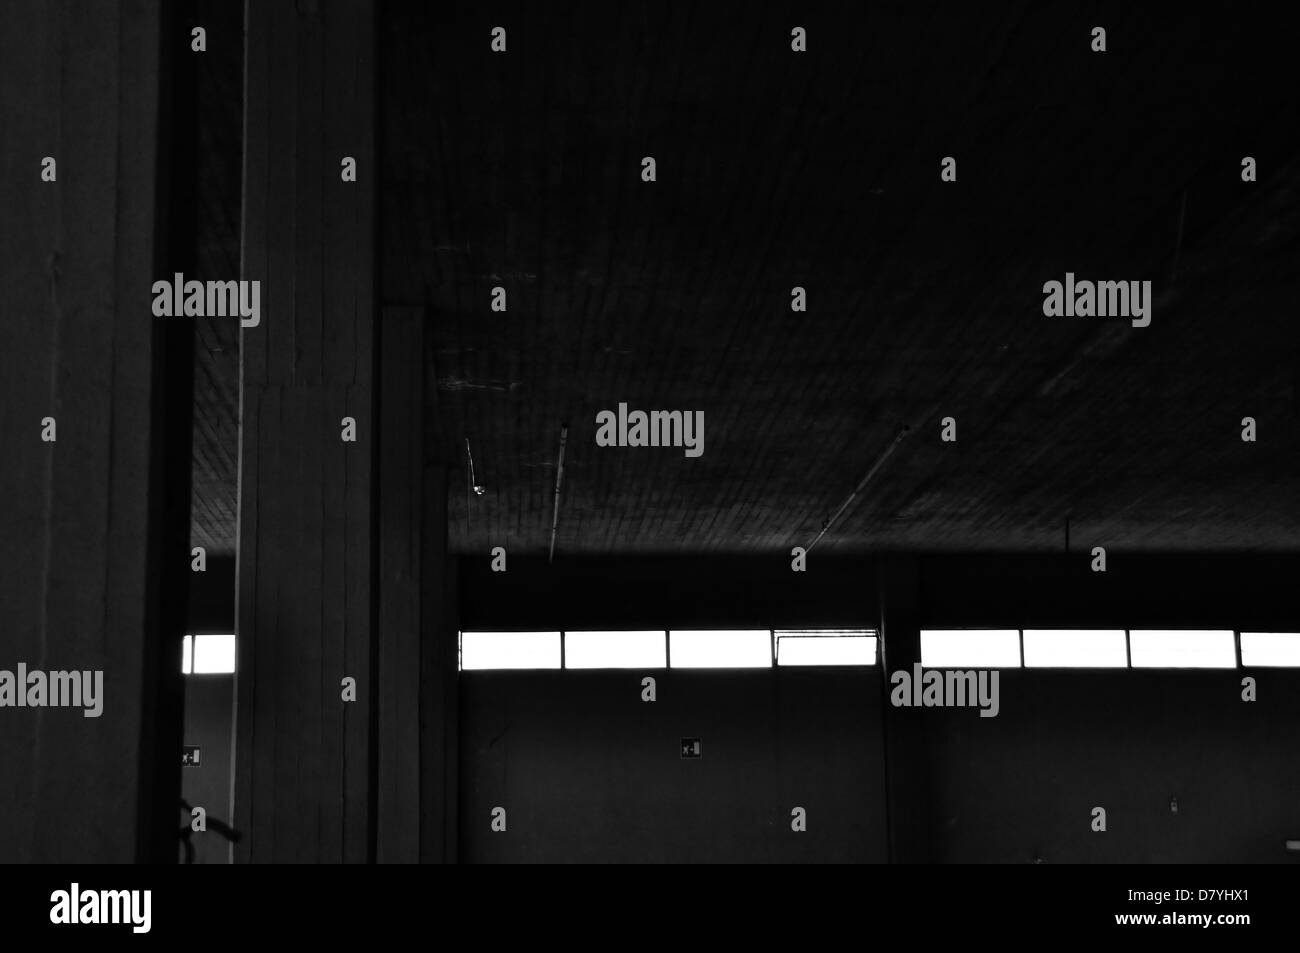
x=648 y=434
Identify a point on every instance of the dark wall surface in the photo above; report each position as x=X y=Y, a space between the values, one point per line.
x=589 y=772
x=666 y=592
x=1023 y=785
x=1137 y=590
x=209 y=723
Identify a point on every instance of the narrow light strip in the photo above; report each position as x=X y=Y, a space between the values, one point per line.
x=213 y=655
x=721 y=648
x=1075 y=648
x=1182 y=648
x=509 y=650
x=826 y=647
x=1275 y=649
x=970 y=648
x=616 y=649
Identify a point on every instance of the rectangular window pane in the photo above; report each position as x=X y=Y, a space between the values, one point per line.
x=499 y=650
x=970 y=648
x=826 y=647
x=1182 y=648
x=1075 y=648
x=1271 y=648
x=187 y=665
x=617 y=649
x=214 y=654
x=720 y=648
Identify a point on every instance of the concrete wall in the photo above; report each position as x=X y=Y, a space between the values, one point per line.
x=587 y=771
x=666 y=592
x=1022 y=786
x=209 y=723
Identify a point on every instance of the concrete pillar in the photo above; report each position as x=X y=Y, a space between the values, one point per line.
x=439 y=676
x=93 y=564
x=400 y=506
x=305 y=758
x=418 y=634
x=906 y=757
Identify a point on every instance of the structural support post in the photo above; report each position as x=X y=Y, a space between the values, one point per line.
x=401 y=504
x=439 y=677
x=93 y=564
x=906 y=756
x=307 y=706
x=418 y=661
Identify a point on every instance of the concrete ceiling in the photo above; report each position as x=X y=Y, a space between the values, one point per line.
x=821 y=170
